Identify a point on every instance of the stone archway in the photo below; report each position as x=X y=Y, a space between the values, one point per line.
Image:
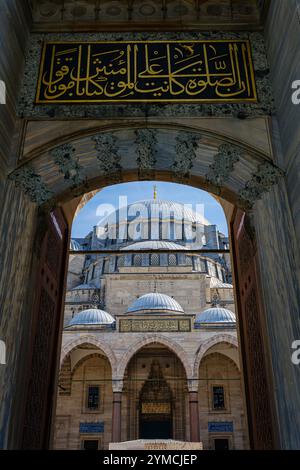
x=94 y=341
x=155 y=390
x=208 y=344
x=172 y=345
x=218 y=161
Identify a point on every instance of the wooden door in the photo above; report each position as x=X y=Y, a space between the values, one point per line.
x=256 y=362
x=51 y=247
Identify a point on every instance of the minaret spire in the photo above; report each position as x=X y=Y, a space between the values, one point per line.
x=155 y=192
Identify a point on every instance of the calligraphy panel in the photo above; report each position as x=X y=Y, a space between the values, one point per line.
x=146 y=71
x=154 y=325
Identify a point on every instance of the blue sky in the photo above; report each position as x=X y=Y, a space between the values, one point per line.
x=140 y=190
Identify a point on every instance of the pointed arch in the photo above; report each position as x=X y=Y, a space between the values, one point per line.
x=208 y=344
x=156 y=338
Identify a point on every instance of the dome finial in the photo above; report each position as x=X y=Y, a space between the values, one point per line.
x=155 y=192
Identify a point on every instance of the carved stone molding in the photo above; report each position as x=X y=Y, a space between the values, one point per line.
x=31 y=183
x=107 y=155
x=67 y=162
x=186 y=144
x=266 y=176
x=223 y=164
x=146 y=152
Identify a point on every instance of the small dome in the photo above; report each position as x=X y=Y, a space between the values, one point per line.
x=154 y=245
x=92 y=316
x=215 y=315
x=154 y=302
x=75 y=245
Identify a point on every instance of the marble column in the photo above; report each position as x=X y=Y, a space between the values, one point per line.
x=116 y=417
x=194 y=417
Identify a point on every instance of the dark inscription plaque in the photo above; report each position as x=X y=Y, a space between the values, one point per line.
x=146 y=71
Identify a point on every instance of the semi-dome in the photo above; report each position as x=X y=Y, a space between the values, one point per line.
x=154 y=245
x=75 y=245
x=92 y=316
x=215 y=316
x=84 y=287
x=155 y=303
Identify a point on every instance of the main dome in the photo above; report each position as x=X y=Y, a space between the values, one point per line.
x=217 y=316
x=154 y=303
x=90 y=317
x=153 y=208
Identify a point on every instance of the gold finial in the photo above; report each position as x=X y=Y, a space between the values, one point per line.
x=154 y=192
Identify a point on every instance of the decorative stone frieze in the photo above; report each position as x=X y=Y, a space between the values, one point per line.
x=146 y=151
x=186 y=144
x=31 y=183
x=266 y=176
x=223 y=164
x=67 y=162
x=107 y=153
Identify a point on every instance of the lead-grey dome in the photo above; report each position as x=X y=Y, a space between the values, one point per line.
x=155 y=303
x=215 y=316
x=154 y=245
x=154 y=208
x=92 y=316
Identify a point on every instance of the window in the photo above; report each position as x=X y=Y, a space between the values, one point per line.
x=90 y=444
x=221 y=444
x=154 y=260
x=218 y=398
x=137 y=260
x=93 y=397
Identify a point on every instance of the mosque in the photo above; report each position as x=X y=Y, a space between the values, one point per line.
x=149 y=347
x=196 y=92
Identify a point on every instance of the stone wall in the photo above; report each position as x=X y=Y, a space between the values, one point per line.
x=282 y=41
x=17 y=228
x=218 y=370
x=15 y=22
x=89 y=367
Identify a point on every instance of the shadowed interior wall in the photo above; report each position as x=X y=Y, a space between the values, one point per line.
x=17 y=227
x=17 y=223
x=282 y=40
x=279 y=271
x=15 y=21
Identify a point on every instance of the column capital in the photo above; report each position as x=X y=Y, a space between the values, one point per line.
x=117 y=385
x=193 y=384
